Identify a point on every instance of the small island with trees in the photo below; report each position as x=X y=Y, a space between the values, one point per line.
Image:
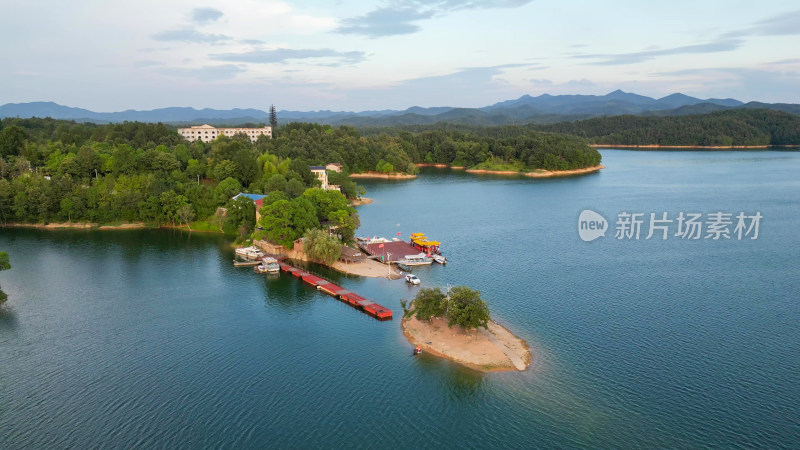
x=457 y=325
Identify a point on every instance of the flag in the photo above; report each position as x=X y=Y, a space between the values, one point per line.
x=399 y=233
x=380 y=246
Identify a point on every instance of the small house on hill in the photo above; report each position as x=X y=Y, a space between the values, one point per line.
x=321 y=172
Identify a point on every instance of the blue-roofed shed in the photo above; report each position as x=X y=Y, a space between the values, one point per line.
x=253 y=197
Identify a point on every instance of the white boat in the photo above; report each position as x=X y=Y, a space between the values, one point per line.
x=372 y=240
x=439 y=259
x=252 y=253
x=410 y=278
x=268 y=265
x=415 y=260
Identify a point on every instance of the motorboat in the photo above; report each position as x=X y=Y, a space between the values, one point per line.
x=415 y=260
x=268 y=265
x=372 y=240
x=439 y=259
x=252 y=253
x=412 y=279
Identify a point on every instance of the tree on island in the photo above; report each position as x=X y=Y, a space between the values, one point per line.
x=466 y=309
x=461 y=306
x=5 y=264
x=429 y=303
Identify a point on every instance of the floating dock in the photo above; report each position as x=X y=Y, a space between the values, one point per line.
x=354 y=300
x=389 y=252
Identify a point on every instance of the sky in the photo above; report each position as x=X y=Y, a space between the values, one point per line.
x=110 y=55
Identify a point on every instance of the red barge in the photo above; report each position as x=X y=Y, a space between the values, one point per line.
x=352 y=299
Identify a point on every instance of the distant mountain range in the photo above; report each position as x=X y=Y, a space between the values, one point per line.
x=542 y=109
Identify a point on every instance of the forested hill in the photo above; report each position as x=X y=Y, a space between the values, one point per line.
x=741 y=127
x=514 y=148
x=53 y=170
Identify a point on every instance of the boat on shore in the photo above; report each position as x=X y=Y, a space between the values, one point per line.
x=252 y=253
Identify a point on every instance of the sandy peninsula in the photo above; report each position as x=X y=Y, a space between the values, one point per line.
x=540 y=173
x=564 y=173
x=383 y=176
x=361 y=201
x=492 y=350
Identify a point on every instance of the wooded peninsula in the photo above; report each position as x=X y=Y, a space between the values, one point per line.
x=63 y=171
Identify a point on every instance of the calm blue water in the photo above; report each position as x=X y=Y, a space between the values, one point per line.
x=152 y=338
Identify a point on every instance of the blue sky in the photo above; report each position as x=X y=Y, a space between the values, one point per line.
x=309 y=55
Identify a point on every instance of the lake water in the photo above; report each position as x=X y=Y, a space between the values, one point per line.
x=152 y=338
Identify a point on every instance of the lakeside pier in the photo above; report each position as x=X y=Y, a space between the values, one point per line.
x=338 y=292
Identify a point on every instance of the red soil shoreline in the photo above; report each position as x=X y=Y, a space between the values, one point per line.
x=712 y=147
x=383 y=176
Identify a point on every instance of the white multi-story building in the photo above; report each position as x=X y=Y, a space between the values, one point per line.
x=322 y=175
x=207 y=133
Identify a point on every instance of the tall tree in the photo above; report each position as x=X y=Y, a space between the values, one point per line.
x=320 y=246
x=273 y=118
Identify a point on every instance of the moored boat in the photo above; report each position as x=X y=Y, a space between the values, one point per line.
x=439 y=259
x=251 y=253
x=422 y=243
x=415 y=260
x=268 y=265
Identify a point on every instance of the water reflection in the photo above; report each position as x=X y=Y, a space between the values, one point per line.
x=287 y=293
x=459 y=382
x=8 y=318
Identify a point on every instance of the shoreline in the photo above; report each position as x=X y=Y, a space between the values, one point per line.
x=537 y=174
x=76 y=225
x=540 y=174
x=565 y=173
x=97 y=226
x=492 y=350
x=383 y=176
x=689 y=147
x=440 y=166
x=361 y=201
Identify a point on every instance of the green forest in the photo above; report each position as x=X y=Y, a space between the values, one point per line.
x=63 y=171
x=397 y=149
x=60 y=171
x=747 y=127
